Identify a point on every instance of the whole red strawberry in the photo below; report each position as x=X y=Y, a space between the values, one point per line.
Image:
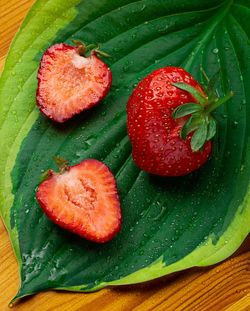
x=69 y=82
x=169 y=122
x=82 y=199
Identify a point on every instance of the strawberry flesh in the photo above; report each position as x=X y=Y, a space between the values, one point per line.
x=83 y=200
x=69 y=83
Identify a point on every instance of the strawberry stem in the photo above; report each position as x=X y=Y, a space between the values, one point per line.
x=219 y=102
x=83 y=48
x=62 y=164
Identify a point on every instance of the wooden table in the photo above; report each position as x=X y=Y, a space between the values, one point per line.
x=222 y=287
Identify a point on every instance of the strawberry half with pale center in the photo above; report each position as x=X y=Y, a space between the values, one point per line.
x=82 y=199
x=170 y=124
x=69 y=82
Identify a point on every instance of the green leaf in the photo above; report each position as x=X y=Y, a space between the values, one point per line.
x=199 y=137
x=185 y=110
x=169 y=224
x=211 y=131
x=193 y=91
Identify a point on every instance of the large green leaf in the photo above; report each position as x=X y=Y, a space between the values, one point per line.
x=169 y=224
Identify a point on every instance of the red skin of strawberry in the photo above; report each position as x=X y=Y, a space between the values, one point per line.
x=84 y=200
x=157 y=147
x=69 y=83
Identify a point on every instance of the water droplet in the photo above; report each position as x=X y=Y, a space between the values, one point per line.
x=90 y=140
x=215 y=51
x=19 y=87
x=143 y=7
x=125 y=68
x=235 y=124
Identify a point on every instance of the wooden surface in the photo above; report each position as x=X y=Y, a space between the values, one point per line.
x=225 y=287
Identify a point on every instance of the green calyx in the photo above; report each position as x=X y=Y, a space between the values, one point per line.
x=201 y=122
x=84 y=49
x=62 y=164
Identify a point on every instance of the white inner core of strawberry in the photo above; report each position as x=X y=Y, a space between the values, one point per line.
x=80 y=192
x=80 y=61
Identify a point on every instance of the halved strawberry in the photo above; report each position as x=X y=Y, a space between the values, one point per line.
x=69 y=83
x=83 y=199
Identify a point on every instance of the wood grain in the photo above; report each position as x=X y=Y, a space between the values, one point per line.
x=225 y=287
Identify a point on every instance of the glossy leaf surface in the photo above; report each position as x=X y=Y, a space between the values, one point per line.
x=169 y=224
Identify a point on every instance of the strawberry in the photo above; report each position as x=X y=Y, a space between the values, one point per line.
x=170 y=123
x=82 y=199
x=69 y=82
